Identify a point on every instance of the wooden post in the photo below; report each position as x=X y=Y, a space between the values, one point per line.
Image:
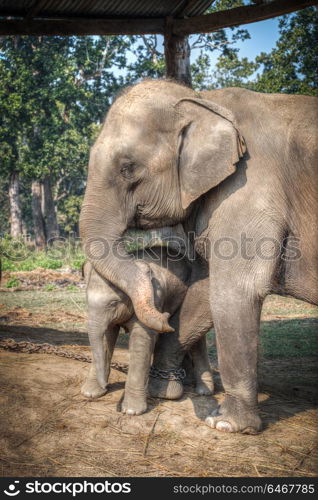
x=177 y=55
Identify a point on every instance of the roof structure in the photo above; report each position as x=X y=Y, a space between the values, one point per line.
x=109 y=17
x=103 y=8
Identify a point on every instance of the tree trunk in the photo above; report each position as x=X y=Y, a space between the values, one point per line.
x=15 y=207
x=48 y=210
x=38 y=222
x=177 y=55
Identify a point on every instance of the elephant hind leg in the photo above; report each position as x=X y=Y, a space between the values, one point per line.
x=165 y=388
x=203 y=376
x=191 y=322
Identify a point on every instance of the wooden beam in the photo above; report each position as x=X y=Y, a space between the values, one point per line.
x=180 y=27
x=239 y=15
x=80 y=26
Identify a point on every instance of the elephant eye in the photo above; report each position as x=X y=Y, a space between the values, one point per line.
x=113 y=303
x=127 y=169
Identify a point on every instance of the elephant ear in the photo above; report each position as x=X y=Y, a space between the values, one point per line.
x=210 y=147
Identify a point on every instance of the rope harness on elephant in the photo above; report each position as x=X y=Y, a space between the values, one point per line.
x=32 y=348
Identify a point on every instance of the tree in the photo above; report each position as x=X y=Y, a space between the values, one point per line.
x=10 y=112
x=147 y=52
x=292 y=66
x=15 y=205
x=229 y=69
x=53 y=97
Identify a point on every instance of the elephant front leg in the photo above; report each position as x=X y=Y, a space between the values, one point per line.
x=201 y=366
x=141 y=346
x=236 y=315
x=102 y=344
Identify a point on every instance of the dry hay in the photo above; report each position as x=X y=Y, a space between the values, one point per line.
x=49 y=429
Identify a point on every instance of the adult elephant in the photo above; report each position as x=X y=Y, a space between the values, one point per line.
x=165 y=155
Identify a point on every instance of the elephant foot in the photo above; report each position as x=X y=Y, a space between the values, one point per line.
x=205 y=387
x=134 y=404
x=235 y=416
x=166 y=389
x=91 y=389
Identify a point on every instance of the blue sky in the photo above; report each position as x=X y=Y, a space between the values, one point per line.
x=264 y=35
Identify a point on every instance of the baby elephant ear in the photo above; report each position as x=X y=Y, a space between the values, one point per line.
x=210 y=147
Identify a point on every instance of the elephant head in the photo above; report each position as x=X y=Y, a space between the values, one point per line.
x=160 y=149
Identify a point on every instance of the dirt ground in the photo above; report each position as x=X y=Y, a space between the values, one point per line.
x=49 y=429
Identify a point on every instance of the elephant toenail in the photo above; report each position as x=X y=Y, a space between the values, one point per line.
x=224 y=426
x=210 y=421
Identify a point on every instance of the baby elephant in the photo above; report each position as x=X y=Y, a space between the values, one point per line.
x=109 y=309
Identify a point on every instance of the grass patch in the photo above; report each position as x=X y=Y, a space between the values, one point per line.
x=296 y=338
x=17 y=255
x=36 y=260
x=50 y=287
x=39 y=301
x=12 y=283
x=289 y=329
x=289 y=338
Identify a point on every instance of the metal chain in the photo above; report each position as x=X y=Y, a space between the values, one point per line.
x=31 y=348
x=178 y=374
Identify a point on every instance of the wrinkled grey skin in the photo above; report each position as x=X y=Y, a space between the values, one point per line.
x=109 y=308
x=228 y=163
x=191 y=323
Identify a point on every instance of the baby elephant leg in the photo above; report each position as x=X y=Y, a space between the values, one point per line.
x=201 y=367
x=141 y=345
x=102 y=344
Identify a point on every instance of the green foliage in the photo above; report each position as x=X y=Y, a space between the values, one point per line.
x=228 y=67
x=13 y=249
x=50 y=287
x=231 y=71
x=35 y=260
x=148 y=58
x=72 y=288
x=54 y=92
x=69 y=209
x=17 y=255
x=292 y=66
x=5 y=207
x=12 y=283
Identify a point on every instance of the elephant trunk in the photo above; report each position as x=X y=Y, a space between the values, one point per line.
x=102 y=228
